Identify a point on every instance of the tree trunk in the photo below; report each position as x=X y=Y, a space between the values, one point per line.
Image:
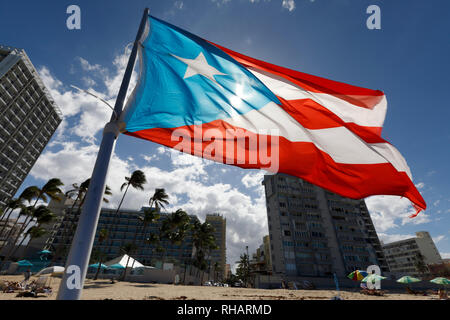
x=134 y=240
x=98 y=269
x=13 y=249
x=10 y=231
x=126 y=267
x=6 y=220
x=117 y=213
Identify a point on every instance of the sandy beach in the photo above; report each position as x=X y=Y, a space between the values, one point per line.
x=103 y=289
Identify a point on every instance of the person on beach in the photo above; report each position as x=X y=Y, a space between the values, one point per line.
x=27 y=276
x=442 y=294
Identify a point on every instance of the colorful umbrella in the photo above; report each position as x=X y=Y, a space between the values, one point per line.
x=116 y=266
x=372 y=278
x=357 y=275
x=24 y=263
x=95 y=265
x=440 y=280
x=408 y=279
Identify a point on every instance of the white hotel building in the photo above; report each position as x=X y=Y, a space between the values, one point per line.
x=28 y=119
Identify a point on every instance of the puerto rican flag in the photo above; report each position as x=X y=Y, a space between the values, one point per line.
x=323 y=131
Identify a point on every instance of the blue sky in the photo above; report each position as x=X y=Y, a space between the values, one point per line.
x=407 y=59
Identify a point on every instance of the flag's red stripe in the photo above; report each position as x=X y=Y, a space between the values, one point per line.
x=362 y=97
x=313 y=115
x=305 y=160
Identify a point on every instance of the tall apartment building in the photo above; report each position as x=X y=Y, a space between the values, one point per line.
x=261 y=259
x=28 y=119
x=314 y=232
x=219 y=255
x=403 y=256
x=123 y=228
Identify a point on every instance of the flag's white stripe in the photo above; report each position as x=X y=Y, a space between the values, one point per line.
x=343 y=109
x=341 y=144
x=391 y=153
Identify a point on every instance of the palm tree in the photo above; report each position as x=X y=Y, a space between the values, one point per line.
x=137 y=181
x=34 y=232
x=79 y=192
x=242 y=270
x=159 y=199
x=152 y=240
x=204 y=241
x=174 y=228
x=128 y=249
x=149 y=216
x=28 y=194
x=49 y=190
x=24 y=212
x=102 y=236
x=42 y=215
x=10 y=207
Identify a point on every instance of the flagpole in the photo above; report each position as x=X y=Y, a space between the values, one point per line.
x=77 y=262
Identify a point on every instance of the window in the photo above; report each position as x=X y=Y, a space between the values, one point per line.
x=290 y=266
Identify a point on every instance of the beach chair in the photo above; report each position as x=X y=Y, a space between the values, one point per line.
x=40 y=286
x=3 y=285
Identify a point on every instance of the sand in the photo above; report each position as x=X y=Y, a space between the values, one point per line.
x=103 y=289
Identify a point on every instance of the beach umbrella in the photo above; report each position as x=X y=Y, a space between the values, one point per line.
x=372 y=278
x=408 y=279
x=55 y=270
x=116 y=266
x=95 y=265
x=440 y=280
x=357 y=275
x=24 y=263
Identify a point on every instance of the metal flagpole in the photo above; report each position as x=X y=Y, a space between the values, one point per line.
x=77 y=262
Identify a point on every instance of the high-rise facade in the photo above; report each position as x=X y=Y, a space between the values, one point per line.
x=28 y=119
x=404 y=256
x=219 y=255
x=314 y=232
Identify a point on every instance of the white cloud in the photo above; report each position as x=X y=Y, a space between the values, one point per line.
x=178 y=4
x=220 y=2
x=420 y=185
x=91 y=113
x=388 y=212
x=88 y=82
x=445 y=255
x=438 y=238
x=253 y=179
x=86 y=66
x=288 y=4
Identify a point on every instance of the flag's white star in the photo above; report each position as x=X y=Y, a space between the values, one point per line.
x=199 y=66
